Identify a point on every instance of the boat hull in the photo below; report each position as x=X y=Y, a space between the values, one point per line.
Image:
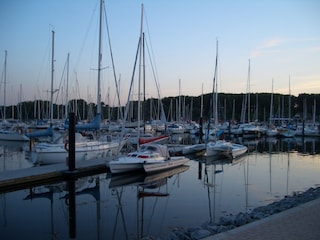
x=192 y=149
x=238 y=150
x=57 y=153
x=116 y=168
x=173 y=162
x=12 y=136
x=225 y=149
x=219 y=148
x=126 y=164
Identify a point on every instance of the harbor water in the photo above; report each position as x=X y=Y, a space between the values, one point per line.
x=137 y=206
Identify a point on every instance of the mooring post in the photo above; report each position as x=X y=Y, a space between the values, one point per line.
x=30 y=140
x=229 y=129
x=200 y=130
x=72 y=142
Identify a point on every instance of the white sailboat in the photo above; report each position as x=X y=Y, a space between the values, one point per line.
x=221 y=148
x=271 y=131
x=104 y=146
x=149 y=157
x=9 y=132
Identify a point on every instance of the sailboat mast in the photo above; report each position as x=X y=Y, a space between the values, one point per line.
x=52 y=74
x=201 y=104
x=179 y=102
x=140 y=70
x=215 y=90
x=248 y=90
x=99 y=61
x=67 y=94
x=5 y=83
x=289 y=110
x=271 y=105
x=314 y=112
x=144 y=87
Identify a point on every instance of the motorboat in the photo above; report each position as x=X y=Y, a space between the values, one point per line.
x=134 y=160
x=150 y=157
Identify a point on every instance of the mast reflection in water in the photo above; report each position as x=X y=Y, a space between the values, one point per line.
x=135 y=205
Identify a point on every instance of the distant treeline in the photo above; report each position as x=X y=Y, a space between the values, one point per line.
x=178 y=108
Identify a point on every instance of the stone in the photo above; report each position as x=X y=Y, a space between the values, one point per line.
x=200 y=234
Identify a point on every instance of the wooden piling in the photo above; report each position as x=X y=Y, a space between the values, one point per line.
x=72 y=142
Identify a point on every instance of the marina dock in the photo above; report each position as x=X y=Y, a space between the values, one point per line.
x=24 y=178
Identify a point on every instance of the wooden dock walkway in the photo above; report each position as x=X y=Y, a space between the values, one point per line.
x=35 y=176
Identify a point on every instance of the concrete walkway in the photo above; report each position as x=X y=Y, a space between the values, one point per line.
x=298 y=223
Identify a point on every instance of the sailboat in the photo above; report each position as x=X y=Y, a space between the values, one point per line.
x=85 y=149
x=150 y=157
x=271 y=131
x=221 y=148
x=9 y=132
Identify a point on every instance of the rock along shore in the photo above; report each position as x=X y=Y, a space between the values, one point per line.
x=233 y=221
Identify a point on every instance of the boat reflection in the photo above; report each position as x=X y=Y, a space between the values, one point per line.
x=145 y=186
x=68 y=191
x=143 y=179
x=303 y=145
x=211 y=174
x=13 y=145
x=12 y=155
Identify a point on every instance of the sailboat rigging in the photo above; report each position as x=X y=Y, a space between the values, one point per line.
x=8 y=132
x=102 y=147
x=220 y=148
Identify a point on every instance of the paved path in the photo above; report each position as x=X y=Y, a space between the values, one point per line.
x=301 y=222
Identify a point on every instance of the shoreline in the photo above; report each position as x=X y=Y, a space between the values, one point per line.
x=241 y=219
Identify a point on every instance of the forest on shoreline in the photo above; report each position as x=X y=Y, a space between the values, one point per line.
x=187 y=108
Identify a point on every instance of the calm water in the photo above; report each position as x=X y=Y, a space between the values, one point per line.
x=136 y=206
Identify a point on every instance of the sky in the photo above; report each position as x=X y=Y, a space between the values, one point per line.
x=280 y=37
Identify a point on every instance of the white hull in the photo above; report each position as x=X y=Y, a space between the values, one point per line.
x=127 y=167
x=193 y=148
x=130 y=164
x=163 y=165
x=126 y=164
x=12 y=136
x=287 y=134
x=238 y=150
x=151 y=157
x=219 y=148
x=222 y=149
x=45 y=154
x=272 y=133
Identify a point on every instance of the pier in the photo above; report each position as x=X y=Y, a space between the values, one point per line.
x=35 y=176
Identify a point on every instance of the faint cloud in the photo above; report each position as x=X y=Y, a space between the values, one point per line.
x=272 y=43
x=267 y=47
x=314 y=49
x=271 y=46
x=305 y=84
